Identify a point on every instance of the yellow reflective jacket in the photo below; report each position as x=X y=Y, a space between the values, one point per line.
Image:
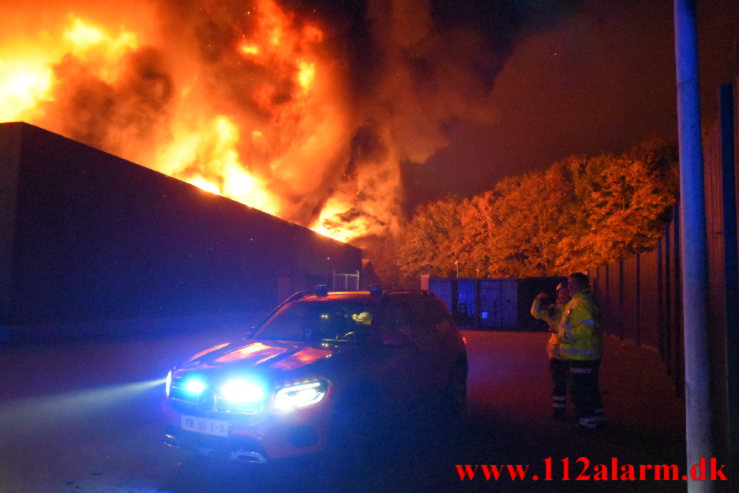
x=580 y=325
x=551 y=314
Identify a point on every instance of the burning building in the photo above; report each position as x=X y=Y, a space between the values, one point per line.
x=289 y=109
x=88 y=236
x=297 y=109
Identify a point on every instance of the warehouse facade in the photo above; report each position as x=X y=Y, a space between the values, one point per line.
x=86 y=236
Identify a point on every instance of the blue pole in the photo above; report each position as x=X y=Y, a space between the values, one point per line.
x=698 y=401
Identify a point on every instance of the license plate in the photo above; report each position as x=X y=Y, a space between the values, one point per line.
x=206 y=426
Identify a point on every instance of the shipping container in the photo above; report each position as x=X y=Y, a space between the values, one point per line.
x=492 y=304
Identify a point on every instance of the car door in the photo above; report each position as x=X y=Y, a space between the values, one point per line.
x=429 y=339
x=398 y=369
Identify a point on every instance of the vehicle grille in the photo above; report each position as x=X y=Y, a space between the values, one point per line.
x=208 y=402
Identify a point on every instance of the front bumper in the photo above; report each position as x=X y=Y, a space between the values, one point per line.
x=254 y=438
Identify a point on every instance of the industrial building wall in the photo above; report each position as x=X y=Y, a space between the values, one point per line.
x=89 y=236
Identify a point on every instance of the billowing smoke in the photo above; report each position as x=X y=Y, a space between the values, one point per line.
x=132 y=110
x=271 y=105
x=413 y=81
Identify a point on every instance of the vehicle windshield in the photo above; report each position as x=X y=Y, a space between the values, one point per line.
x=326 y=321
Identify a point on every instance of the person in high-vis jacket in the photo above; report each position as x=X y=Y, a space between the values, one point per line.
x=583 y=348
x=558 y=363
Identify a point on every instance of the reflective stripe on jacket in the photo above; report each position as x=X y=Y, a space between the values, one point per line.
x=580 y=327
x=552 y=318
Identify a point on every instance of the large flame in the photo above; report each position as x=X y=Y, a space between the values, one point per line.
x=268 y=144
x=245 y=99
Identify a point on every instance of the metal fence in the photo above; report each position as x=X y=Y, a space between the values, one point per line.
x=641 y=297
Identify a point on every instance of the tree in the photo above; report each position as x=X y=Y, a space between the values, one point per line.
x=531 y=214
x=432 y=239
x=580 y=212
x=627 y=205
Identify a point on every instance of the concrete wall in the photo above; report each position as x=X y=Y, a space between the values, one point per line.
x=87 y=236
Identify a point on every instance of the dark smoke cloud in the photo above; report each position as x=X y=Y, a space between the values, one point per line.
x=420 y=67
x=411 y=71
x=440 y=96
x=599 y=79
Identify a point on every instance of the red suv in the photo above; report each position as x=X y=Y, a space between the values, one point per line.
x=323 y=368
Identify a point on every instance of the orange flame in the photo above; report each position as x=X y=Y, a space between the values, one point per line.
x=247 y=99
x=272 y=135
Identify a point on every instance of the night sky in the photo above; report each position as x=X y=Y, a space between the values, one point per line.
x=586 y=78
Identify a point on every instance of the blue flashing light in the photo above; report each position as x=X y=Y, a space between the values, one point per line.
x=195 y=387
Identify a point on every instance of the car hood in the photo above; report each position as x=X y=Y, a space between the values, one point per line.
x=268 y=355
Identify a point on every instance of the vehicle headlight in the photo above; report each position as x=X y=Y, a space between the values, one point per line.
x=195 y=386
x=168 y=383
x=301 y=395
x=239 y=390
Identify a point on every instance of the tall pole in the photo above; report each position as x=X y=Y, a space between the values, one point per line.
x=698 y=402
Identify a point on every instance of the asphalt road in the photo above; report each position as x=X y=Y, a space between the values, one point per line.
x=84 y=417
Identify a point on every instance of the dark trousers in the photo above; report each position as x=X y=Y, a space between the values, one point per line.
x=559 y=370
x=586 y=391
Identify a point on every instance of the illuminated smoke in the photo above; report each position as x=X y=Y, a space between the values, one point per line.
x=251 y=100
